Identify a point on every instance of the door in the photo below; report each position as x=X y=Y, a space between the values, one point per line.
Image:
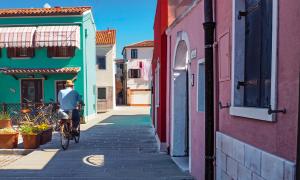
x=59 y=86
x=32 y=90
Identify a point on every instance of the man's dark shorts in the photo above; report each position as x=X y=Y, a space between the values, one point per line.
x=75 y=117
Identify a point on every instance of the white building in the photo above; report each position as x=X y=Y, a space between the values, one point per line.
x=106 y=55
x=138 y=57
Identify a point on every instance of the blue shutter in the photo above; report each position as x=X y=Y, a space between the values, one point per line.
x=258 y=45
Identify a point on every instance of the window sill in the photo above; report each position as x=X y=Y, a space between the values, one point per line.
x=253 y=113
x=18 y=58
x=102 y=100
x=60 y=57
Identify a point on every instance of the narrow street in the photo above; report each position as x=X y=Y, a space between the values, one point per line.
x=120 y=146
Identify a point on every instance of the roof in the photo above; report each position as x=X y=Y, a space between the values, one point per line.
x=107 y=37
x=148 y=43
x=55 y=11
x=70 y=70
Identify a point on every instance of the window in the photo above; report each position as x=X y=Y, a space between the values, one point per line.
x=134 y=73
x=134 y=53
x=157 y=84
x=101 y=62
x=101 y=93
x=201 y=86
x=32 y=90
x=20 y=52
x=61 y=52
x=254 y=25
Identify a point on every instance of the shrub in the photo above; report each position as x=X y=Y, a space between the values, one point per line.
x=4 y=116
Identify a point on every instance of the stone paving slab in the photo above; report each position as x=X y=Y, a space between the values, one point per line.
x=121 y=146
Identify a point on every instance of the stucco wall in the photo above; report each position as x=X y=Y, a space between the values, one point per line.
x=143 y=53
x=195 y=37
x=105 y=77
x=10 y=88
x=278 y=138
x=89 y=65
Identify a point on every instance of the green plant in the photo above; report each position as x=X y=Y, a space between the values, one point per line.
x=7 y=131
x=29 y=129
x=4 y=116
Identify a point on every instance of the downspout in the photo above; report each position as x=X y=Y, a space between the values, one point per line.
x=209 y=26
x=298 y=139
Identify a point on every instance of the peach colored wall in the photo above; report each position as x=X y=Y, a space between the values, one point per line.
x=192 y=25
x=279 y=137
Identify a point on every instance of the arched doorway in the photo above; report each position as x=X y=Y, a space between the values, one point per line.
x=180 y=141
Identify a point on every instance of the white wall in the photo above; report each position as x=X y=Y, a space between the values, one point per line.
x=105 y=78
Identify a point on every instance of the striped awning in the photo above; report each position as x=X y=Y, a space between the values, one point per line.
x=67 y=70
x=16 y=37
x=57 y=36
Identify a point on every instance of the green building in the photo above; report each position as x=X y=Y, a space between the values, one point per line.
x=41 y=48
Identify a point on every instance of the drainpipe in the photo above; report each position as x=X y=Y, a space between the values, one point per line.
x=298 y=139
x=209 y=26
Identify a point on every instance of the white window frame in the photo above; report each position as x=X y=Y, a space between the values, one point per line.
x=249 y=112
x=157 y=85
x=105 y=93
x=200 y=61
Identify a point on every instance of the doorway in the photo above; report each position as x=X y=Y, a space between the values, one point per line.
x=180 y=133
x=31 y=91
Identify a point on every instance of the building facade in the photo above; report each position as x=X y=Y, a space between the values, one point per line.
x=256 y=87
x=138 y=57
x=121 y=82
x=41 y=48
x=159 y=73
x=105 y=69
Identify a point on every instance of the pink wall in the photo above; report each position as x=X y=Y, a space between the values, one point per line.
x=278 y=137
x=192 y=25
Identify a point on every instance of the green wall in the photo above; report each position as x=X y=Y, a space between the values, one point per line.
x=84 y=58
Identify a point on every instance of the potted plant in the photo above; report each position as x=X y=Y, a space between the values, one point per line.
x=5 y=121
x=31 y=136
x=46 y=133
x=8 y=138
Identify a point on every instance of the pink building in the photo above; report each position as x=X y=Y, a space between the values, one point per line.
x=185 y=86
x=257 y=70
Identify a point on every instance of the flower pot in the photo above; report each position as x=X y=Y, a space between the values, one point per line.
x=9 y=141
x=46 y=136
x=6 y=123
x=31 y=141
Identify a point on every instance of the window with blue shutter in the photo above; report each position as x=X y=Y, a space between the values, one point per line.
x=258 y=49
x=101 y=62
x=201 y=87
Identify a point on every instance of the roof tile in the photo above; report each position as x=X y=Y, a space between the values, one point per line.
x=44 y=11
x=107 y=37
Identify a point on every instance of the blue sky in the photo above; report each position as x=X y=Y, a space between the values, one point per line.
x=133 y=19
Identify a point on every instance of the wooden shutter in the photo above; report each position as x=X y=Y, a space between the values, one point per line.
x=258 y=43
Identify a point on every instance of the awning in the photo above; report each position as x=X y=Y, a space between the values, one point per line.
x=68 y=70
x=16 y=37
x=53 y=36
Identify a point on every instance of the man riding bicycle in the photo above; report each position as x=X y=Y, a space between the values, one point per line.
x=69 y=99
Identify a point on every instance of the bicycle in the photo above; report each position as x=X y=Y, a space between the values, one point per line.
x=67 y=132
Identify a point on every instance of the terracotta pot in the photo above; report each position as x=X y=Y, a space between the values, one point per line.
x=9 y=141
x=6 y=123
x=46 y=136
x=31 y=141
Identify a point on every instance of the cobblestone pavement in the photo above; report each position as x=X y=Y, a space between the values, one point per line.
x=7 y=159
x=119 y=147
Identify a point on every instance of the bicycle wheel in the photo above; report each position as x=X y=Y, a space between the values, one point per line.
x=77 y=135
x=64 y=136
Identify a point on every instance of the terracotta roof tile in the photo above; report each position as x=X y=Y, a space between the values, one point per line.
x=106 y=37
x=44 y=11
x=141 y=44
x=71 y=70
